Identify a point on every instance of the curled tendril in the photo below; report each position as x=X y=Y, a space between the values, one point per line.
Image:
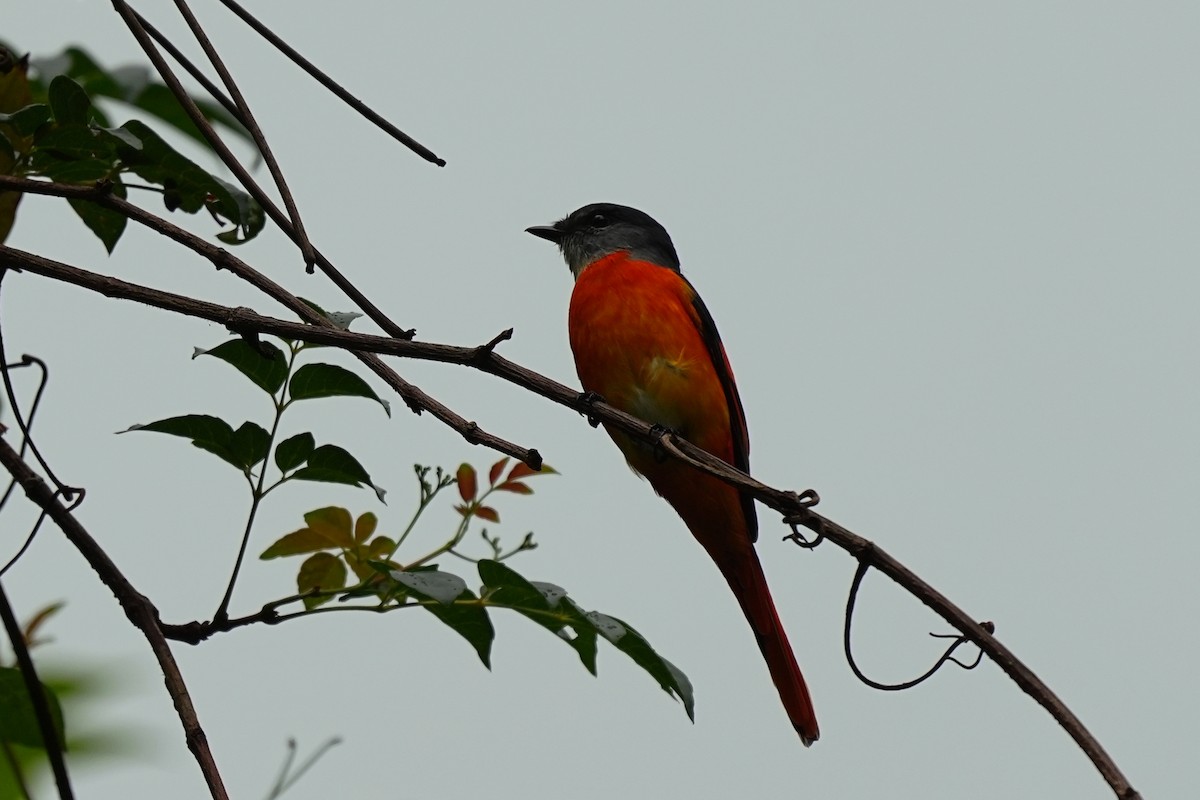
x=959 y=640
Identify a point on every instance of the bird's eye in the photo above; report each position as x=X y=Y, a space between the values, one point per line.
x=599 y=221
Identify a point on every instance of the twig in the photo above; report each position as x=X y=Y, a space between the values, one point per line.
x=795 y=507
x=26 y=361
x=289 y=202
x=37 y=698
x=331 y=85
x=227 y=157
x=140 y=611
x=416 y=399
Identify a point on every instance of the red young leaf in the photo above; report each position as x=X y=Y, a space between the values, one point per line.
x=466 y=512
x=515 y=487
x=521 y=470
x=488 y=513
x=467 y=485
x=497 y=468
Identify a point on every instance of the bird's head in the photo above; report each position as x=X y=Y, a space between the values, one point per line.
x=600 y=229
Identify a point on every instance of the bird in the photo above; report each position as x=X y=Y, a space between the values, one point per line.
x=644 y=341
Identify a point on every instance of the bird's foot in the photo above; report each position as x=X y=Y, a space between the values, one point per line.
x=588 y=398
x=658 y=430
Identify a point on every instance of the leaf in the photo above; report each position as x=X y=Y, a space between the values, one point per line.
x=468 y=486
x=523 y=470
x=333 y=523
x=264 y=363
x=380 y=546
x=77 y=141
x=107 y=224
x=497 y=468
x=634 y=645
x=208 y=433
x=365 y=527
x=69 y=101
x=487 y=512
x=18 y=722
x=331 y=464
x=294 y=451
x=298 y=542
x=469 y=620
x=516 y=487
x=25 y=121
x=30 y=633
x=251 y=444
x=187 y=186
x=320 y=572
x=542 y=603
x=329 y=380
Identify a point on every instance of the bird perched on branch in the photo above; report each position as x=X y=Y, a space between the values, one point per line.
x=644 y=342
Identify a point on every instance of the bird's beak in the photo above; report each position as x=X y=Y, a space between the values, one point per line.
x=547 y=232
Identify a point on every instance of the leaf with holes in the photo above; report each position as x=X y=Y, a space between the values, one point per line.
x=450 y=602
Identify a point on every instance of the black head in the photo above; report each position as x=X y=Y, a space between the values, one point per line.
x=600 y=229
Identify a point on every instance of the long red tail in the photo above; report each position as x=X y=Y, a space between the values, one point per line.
x=745 y=576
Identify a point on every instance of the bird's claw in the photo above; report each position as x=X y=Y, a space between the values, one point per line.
x=588 y=398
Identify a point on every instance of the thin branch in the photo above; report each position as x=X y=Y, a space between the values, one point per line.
x=416 y=399
x=796 y=508
x=223 y=152
x=37 y=698
x=26 y=361
x=289 y=202
x=333 y=86
x=140 y=611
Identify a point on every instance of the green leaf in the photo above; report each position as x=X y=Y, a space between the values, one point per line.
x=67 y=170
x=69 y=101
x=331 y=464
x=206 y=432
x=545 y=604
x=294 y=451
x=329 y=380
x=264 y=363
x=251 y=443
x=107 y=224
x=26 y=121
x=18 y=722
x=323 y=572
x=135 y=85
x=468 y=619
x=634 y=645
x=187 y=186
x=77 y=141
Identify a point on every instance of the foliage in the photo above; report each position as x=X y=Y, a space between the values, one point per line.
x=51 y=128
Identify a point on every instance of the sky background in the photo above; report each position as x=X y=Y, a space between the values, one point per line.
x=952 y=250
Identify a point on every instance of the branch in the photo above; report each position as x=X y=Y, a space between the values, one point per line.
x=416 y=399
x=140 y=611
x=37 y=698
x=795 y=508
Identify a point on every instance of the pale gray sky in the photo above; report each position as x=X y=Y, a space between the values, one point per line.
x=951 y=248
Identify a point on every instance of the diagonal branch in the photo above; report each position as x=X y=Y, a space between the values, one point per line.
x=415 y=398
x=140 y=611
x=247 y=116
x=796 y=508
x=332 y=85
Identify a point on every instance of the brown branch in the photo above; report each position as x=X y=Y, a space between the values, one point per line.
x=328 y=82
x=140 y=611
x=223 y=152
x=289 y=202
x=37 y=699
x=415 y=398
x=794 y=507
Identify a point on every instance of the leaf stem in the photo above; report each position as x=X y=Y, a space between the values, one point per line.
x=257 y=493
